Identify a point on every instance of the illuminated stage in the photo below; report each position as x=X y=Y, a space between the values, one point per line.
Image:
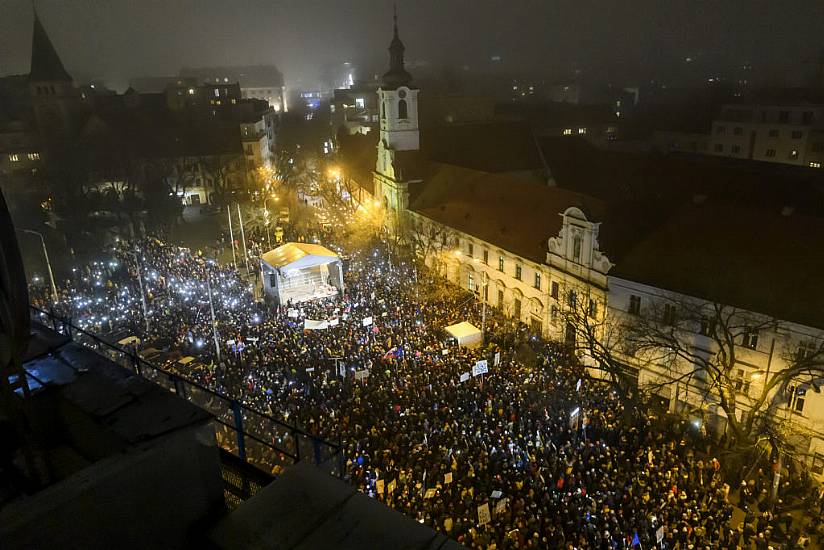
x=300 y=272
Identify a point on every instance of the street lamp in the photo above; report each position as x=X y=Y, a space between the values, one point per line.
x=48 y=263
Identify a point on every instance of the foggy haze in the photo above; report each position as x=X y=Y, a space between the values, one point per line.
x=118 y=39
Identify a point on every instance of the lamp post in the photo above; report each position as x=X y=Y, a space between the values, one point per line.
x=48 y=263
x=212 y=312
x=231 y=235
x=484 y=284
x=243 y=238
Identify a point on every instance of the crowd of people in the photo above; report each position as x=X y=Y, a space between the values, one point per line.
x=528 y=455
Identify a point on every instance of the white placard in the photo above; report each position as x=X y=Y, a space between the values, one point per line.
x=480 y=368
x=361 y=374
x=334 y=322
x=445 y=352
x=367 y=321
x=500 y=507
x=497 y=359
x=230 y=342
x=293 y=313
x=314 y=324
x=659 y=534
x=464 y=377
x=310 y=369
x=483 y=514
x=252 y=339
x=578 y=385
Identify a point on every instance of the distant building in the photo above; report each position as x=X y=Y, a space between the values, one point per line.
x=256 y=81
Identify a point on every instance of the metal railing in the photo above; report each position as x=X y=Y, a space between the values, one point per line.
x=253 y=436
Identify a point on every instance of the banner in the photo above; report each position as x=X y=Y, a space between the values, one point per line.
x=334 y=322
x=379 y=486
x=480 y=368
x=483 y=514
x=391 y=487
x=314 y=324
x=500 y=507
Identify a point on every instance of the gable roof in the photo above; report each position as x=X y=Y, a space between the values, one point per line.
x=45 y=63
x=516 y=213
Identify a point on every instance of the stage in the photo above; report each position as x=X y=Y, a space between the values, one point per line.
x=300 y=272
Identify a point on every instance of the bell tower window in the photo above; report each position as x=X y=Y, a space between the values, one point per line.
x=402 y=110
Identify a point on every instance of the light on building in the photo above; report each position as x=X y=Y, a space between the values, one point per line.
x=191 y=91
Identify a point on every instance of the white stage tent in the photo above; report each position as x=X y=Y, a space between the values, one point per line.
x=301 y=272
x=466 y=334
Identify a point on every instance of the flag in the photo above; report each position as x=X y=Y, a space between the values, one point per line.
x=635 y=541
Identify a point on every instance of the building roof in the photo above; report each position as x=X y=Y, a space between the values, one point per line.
x=358 y=154
x=737 y=255
x=513 y=212
x=45 y=63
x=297 y=255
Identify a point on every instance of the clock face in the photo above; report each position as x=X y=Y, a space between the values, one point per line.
x=401 y=94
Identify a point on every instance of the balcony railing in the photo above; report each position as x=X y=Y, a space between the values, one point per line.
x=253 y=436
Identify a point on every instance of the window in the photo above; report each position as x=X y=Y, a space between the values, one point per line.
x=500 y=298
x=383 y=110
x=554 y=289
x=553 y=313
x=537 y=280
x=750 y=339
x=14 y=157
x=486 y=257
x=470 y=249
x=719 y=130
x=793 y=154
x=634 y=304
x=770 y=153
x=668 y=316
x=796 y=134
x=593 y=307
x=736 y=149
x=784 y=117
x=217 y=92
x=192 y=91
x=742 y=382
x=815 y=165
x=572 y=299
x=797 y=397
x=582 y=131
x=567 y=131
x=402 y=109
x=806 y=349
x=516 y=308
x=471 y=282
x=576 y=247
x=818 y=464
x=707 y=327
x=360 y=103
x=718 y=148
x=807 y=117
x=818 y=146
x=738 y=131
x=518 y=271
x=34 y=156
x=500 y=263
x=773 y=133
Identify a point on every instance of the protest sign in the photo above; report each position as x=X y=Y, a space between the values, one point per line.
x=483 y=514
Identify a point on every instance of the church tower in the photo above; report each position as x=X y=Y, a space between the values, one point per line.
x=399 y=137
x=56 y=101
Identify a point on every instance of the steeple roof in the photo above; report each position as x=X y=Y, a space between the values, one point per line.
x=397 y=74
x=45 y=63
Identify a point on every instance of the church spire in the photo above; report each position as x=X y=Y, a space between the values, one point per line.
x=397 y=74
x=45 y=63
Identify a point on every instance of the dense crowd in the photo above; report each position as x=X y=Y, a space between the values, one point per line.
x=529 y=455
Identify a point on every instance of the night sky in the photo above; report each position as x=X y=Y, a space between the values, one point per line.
x=620 y=39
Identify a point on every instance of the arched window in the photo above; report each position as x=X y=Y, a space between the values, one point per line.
x=383 y=110
x=402 y=109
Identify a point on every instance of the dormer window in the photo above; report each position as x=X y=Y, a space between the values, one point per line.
x=577 y=242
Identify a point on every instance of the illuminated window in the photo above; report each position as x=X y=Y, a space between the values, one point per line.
x=815 y=165
x=567 y=131
x=537 y=281
x=770 y=153
x=359 y=102
x=192 y=91
x=582 y=130
x=500 y=263
x=14 y=157
x=217 y=92
x=793 y=154
x=234 y=101
x=34 y=156
x=750 y=339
